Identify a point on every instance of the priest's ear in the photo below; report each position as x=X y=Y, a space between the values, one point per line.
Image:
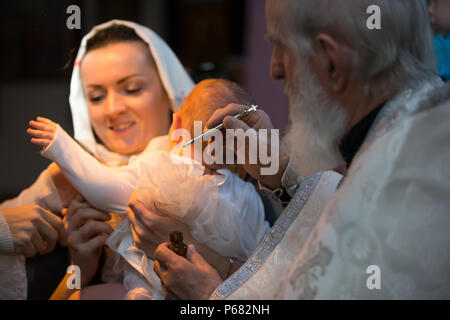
x=331 y=63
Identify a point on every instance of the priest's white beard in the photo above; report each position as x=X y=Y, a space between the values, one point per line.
x=317 y=125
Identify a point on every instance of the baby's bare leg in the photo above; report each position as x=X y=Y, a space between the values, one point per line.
x=107 y=291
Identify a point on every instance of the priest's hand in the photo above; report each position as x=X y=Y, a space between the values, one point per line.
x=255 y=120
x=190 y=278
x=151 y=228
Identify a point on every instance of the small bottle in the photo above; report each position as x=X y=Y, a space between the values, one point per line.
x=176 y=243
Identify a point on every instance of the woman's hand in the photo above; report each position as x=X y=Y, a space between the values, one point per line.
x=34 y=229
x=256 y=120
x=44 y=131
x=87 y=232
x=190 y=278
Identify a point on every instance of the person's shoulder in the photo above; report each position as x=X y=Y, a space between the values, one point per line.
x=423 y=136
x=413 y=154
x=441 y=40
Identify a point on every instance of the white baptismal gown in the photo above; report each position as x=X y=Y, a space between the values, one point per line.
x=222 y=211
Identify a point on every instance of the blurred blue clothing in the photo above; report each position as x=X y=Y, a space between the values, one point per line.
x=442 y=48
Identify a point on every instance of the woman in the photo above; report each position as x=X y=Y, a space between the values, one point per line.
x=125 y=84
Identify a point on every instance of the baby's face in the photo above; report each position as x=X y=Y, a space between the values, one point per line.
x=196 y=107
x=182 y=130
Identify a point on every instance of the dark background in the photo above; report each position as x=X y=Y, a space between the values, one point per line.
x=212 y=38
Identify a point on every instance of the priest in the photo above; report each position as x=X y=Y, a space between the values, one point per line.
x=367 y=103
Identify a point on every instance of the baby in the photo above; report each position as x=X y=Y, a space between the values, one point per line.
x=221 y=210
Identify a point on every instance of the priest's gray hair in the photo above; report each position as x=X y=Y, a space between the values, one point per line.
x=400 y=50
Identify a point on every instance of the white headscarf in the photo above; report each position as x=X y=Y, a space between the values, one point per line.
x=174 y=78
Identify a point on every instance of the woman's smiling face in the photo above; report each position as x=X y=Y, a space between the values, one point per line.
x=127 y=103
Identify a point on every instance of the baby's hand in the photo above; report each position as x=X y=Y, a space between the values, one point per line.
x=44 y=131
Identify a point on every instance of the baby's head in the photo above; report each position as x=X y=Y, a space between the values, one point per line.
x=205 y=98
